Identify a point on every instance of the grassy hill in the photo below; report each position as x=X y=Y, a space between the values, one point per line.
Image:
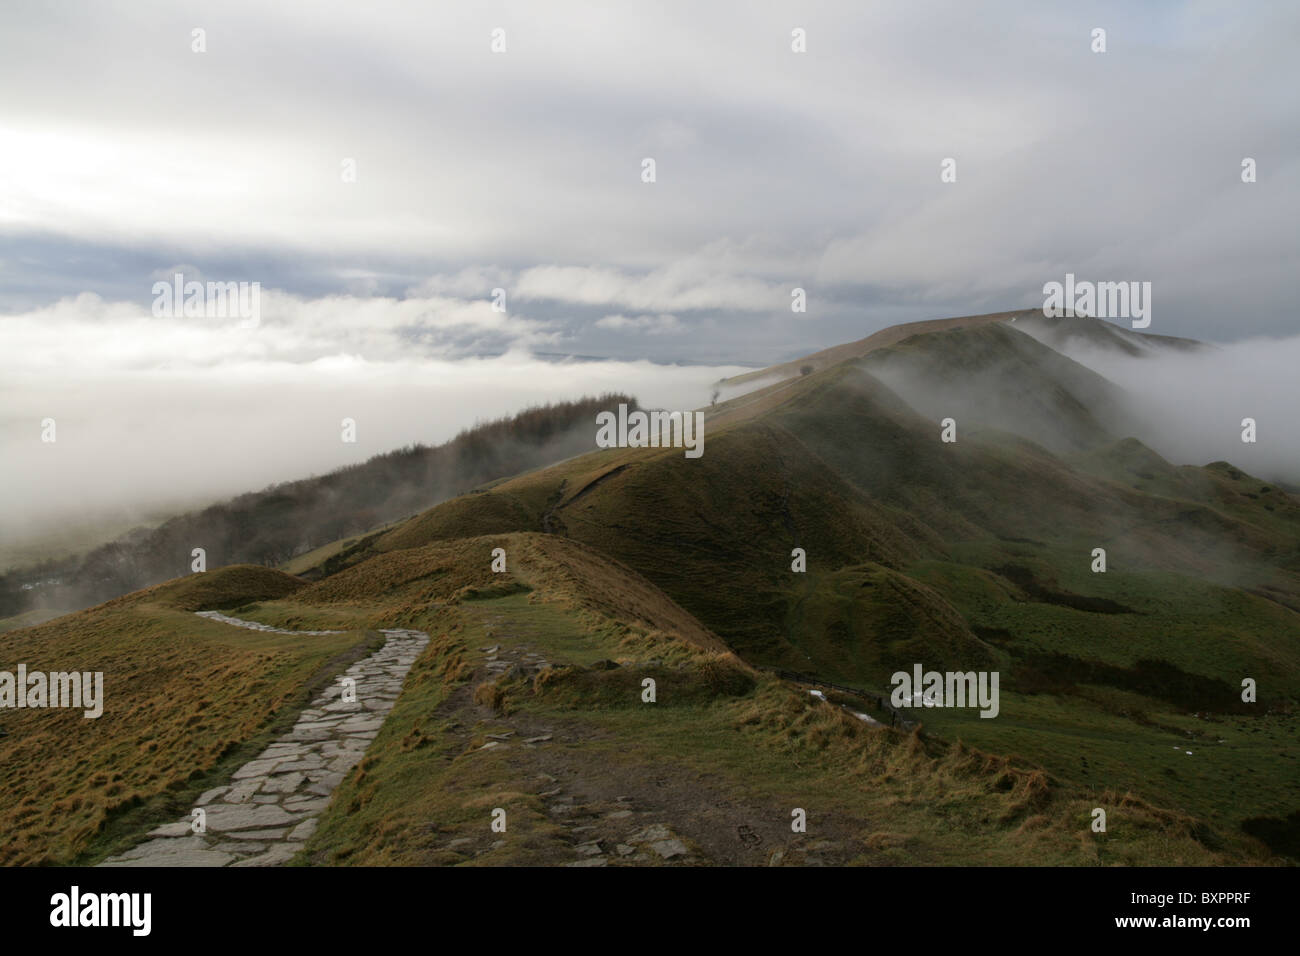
x=1119 y=690
x=586 y=771
x=1061 y=334
x=837 y=354
x=1070 y=335
x=999 y=378
x=971 y=555
x=281 y=523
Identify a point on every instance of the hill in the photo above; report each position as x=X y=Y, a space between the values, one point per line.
x=1073 y=335
x=837 y=354
x=284 y=521
x=530 y=701
x=994 y=376
x=1060 y=333
x=968 y=555
x=1119 y=688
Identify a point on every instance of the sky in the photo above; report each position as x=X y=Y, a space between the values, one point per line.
x=379 y=170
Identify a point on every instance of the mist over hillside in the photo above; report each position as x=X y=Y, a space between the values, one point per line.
x=217 y=411
x=514 y=435
x=959 y=494
x=1189 y=404
x=936 y=495
x=271 y=526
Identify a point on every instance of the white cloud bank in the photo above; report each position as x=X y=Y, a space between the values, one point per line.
x=152 y=411
x=1191 y=404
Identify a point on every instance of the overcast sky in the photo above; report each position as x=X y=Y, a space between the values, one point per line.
x=126 y=156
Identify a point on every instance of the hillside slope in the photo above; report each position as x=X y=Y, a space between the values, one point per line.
x=286 y=520
x=970 y=555
x=993 y=376
x=1119 y=689
x=184 y=700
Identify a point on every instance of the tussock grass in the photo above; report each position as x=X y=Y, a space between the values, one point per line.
x=186 y=700
x=929 y=801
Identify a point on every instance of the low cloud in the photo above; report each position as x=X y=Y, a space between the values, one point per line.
x=1190 y=405
x=651 y=324
x=156 y=413
x=686 y=284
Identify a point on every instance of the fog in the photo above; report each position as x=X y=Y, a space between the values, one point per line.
x=1189 y=405
x=132 y=156
x=138 y=443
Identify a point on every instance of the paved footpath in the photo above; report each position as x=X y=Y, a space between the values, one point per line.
x=271 y=804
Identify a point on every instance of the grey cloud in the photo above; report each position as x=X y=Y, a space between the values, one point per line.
x=124 y=154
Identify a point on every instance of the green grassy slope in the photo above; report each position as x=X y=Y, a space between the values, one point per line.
x=999 y=378
x=633 y=563
x=564 y=744
x=972 y=555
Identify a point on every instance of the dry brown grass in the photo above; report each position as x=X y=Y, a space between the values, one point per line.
x=180 y=694
x=405 y=584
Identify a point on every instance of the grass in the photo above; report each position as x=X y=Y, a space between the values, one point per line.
x=185 y=700
x=424 y=793
x=28 y=619
x=968 y=556
x=318 y=556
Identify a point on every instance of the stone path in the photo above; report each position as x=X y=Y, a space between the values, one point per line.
x=254 y=626
x=271 y=804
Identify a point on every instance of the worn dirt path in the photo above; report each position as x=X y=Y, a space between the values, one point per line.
x=630 y=809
